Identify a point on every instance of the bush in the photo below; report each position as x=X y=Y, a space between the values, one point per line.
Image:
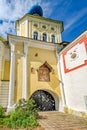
x=1 y=111
x=24 y=116
x=1 y=122
x=29 y=106
x=7 y=122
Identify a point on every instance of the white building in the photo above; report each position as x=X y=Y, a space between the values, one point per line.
x=73 y=74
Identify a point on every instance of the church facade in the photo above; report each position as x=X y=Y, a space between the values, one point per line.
x=33 y=64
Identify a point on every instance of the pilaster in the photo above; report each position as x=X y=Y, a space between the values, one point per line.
x=24 y=87
x=48 y=38
x=27 y=28
x=12 y=78
x=30 y=29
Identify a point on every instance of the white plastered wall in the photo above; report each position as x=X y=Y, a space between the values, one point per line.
x=75 y=86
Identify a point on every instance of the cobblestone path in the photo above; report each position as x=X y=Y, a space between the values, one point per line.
x=54 y=120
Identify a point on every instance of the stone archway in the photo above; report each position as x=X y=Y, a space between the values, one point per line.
x=44 y=100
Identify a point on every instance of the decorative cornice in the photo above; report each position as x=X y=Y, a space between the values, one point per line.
x=31 y=42
x=39 y=17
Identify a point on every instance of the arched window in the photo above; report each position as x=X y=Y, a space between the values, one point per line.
x=35 y=35
x=44 y=37
x=52 y=38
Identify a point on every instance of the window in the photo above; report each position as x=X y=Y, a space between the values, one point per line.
x=35 y=25
x=44 y=37
x=52 y=29
x=44 y=27
x=53 y=38
x=35 y=35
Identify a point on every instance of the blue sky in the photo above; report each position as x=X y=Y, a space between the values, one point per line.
x=73 y=14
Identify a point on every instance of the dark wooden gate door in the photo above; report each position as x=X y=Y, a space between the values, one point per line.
x=44 y=100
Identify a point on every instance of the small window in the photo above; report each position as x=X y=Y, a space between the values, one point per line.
x=53 y=38
x=35 y=35
x=44 y=26
x=35 y=25
x=44 y=37
x=52 y=28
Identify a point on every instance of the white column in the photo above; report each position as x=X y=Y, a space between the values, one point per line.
x=59 y=38
x=27 y=28
x=48 y=37
x=24 y=87
x=20 y=30
x=39 y=36
x=12 y=78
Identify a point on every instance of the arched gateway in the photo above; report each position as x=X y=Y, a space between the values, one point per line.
x=32 y=63
x=44 y=100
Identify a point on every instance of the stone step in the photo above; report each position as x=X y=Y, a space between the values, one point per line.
x=54 y=120
x=4 y=89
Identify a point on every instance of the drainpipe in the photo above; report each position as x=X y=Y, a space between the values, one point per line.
x=61 y=80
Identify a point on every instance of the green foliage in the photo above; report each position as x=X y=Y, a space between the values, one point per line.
x=24 y=116
x=7 y=122
x=29 y=106
x=1 y=111
x=1 y=122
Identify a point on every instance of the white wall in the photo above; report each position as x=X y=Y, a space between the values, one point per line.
x=75 y=85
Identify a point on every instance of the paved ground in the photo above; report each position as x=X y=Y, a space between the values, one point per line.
x=60 y=121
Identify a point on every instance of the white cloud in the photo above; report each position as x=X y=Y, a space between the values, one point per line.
x=7 y=27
